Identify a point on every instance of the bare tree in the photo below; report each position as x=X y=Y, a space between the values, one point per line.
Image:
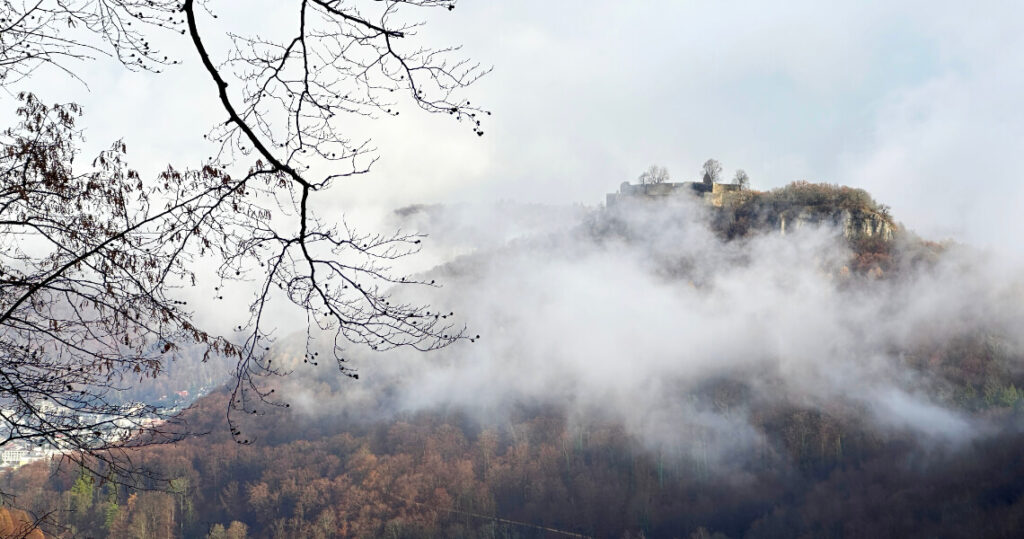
x=91 y=262
x=712 y=171
x=741 y=179
x=88 y=262
x=654 y=174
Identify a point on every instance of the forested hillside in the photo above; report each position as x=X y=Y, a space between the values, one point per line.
x=439 y=474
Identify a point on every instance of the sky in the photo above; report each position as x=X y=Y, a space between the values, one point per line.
x=917 y=102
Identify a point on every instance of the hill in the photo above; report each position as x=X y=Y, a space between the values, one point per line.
x=653 y=370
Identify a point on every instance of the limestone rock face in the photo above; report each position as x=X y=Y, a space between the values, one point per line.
x=866 y=224
x=855 y=224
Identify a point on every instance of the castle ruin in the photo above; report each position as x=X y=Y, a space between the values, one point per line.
x=713 y=194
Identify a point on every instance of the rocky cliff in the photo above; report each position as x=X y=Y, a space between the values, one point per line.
x=855 y=224
x=803 y=204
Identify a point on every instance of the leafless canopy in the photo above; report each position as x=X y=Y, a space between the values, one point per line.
x=654 y=174
x=92 y=260
x=712 y=170
x=57 y=33
x=741 y=179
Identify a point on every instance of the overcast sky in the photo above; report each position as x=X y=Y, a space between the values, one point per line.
x=917 y=102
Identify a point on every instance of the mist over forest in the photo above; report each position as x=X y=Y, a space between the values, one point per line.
x=759 y=385
x=362 y=268
x=624 y=312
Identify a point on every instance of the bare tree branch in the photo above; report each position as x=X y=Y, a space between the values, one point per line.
x=92 y=263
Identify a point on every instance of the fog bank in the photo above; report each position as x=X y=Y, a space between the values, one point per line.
x=632 y=315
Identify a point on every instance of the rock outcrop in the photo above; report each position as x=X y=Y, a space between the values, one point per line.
x=855 y=224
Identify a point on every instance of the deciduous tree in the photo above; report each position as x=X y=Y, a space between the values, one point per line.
x=92 y=258
x=654 y=174
x=712 y=170
x=741 y=179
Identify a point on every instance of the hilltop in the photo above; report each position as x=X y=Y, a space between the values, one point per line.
x=878 y=243
x=738 y=212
